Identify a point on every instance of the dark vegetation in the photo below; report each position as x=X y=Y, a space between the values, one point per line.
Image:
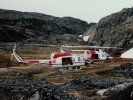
x=5 y=59
x=34 y=27
x=124 y=70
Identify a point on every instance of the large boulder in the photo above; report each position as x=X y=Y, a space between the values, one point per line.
x=118 y=92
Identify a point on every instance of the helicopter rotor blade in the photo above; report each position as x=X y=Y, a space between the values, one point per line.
x=92 y=47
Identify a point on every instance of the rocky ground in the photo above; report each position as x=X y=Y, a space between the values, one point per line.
x=31 y=90
x=108 y=80
x=39 y=82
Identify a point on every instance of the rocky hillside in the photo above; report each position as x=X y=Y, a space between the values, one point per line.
x=114 y=30
x=39 y=28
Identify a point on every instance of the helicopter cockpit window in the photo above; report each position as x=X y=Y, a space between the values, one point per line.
x=79 y=59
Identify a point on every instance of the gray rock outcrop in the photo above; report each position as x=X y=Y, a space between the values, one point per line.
x=34 y=27
x=114 y=30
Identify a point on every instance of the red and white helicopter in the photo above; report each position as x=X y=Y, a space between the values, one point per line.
x=91 y=56
x=58 y=60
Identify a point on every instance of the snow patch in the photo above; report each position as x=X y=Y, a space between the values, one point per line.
x=85 y=38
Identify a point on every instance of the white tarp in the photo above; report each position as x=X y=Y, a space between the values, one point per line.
x=128 y=54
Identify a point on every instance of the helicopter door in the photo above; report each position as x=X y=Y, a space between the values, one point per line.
x=95 y=56
x=67 y=61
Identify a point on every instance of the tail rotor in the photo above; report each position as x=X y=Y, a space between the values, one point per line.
x=13 y=51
